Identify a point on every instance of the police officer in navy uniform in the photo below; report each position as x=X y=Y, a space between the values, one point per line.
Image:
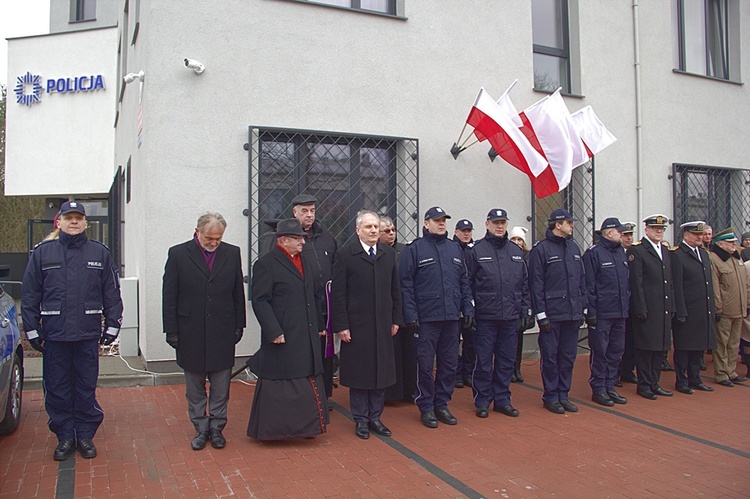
x=694 y=325
x=320 y=246
x=463 y=235
x=435 y=292
x=627 y=364
x=558 y=296
x=608 y=287
x=68 y=284
x=651 y=305
x=499 y=285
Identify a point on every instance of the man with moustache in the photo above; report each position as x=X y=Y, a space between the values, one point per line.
x=652 y=305
x=366 y=314
x=435 y=292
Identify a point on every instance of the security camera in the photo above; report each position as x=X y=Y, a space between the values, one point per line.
x=194 y=65
x=131 y=77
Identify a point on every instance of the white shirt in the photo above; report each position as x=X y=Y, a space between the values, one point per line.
x=367 y=248
x=657 y=247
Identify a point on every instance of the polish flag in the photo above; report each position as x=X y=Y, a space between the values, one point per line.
x=491 y=123
x=593 y=132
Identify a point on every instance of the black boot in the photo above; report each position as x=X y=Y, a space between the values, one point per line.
x=517 y=377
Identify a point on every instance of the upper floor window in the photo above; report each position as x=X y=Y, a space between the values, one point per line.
x=706 y=41
x=551 y=45
x=384 y=6
x=84 y=10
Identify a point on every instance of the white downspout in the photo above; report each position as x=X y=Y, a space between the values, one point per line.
x=638 y=124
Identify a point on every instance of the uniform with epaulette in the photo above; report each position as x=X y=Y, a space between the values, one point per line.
x=652 y=305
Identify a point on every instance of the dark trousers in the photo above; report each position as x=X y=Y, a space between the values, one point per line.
x=627 y=364
x=558 y=348
x=648 y=364
x=519 y=349
x=495 y=344
x=607 y=342
x=366 y=405
x=435 y=339
x=70 y=371
x=468 y=356
x=687 y=366
x=218 y=399
x=327 y=368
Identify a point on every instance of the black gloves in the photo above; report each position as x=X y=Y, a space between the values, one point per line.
x=467 y=321
x=544 y=325
x=37 y=344
x=412 y=326
x=641 y=317
x=521 y=326
x=173 y=340
x=237 y=336
x=680 y=320
x=528 y=323
x=591 y=321
x=107 y=338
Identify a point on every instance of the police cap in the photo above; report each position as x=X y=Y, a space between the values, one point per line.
x=464 y=224
x=497 y=214
x=70 y=206
x=613 y=223
x=435 y=212
x=561 y=214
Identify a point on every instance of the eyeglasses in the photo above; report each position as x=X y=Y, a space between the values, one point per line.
x=388 y=231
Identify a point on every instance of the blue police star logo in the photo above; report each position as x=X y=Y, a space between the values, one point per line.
x=28 y=89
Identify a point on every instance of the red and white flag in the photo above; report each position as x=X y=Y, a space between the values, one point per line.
x=491 y=123
x=593 y=132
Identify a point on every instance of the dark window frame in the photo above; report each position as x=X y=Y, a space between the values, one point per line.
x=726 y=41
x=560 y=53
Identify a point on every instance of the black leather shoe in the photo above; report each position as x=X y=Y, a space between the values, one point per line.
x=647 y=394
x=738 y=379
x=726 y=382
x=618 y=383
x=362 y=430
x=568 y=406
x=459 y=383
x=445 y=416
x=662 y=392
x=684 y=389
x=468 y=382
x=702 y=387
x=379 y=428
x=217 y=439
x=519 y=376
x=86 y=447
x=64 y=449
x=429 y=420
x=554 y=407
x=508 y=410
x=200 y=440
x=482 y=412
x=629 y=377
x=616 y=397
x=602 y=399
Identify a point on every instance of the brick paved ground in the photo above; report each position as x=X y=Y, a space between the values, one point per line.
x=685 y=446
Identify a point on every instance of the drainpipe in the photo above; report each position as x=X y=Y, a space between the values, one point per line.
x=638 y=123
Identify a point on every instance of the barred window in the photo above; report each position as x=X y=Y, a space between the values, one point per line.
x=345 y=172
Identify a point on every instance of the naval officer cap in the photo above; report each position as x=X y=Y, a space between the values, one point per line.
x=725 y=235
x=289 y=227
x=696 y=226
x=497 y=214
x=613 y=223
x=435 y=213
x=304 y=199
x=629 y=227
x=72 y=206
x=464 y=224
x=656 y=221
x=560 y=215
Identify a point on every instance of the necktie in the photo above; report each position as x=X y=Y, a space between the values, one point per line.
x=372 y=253
x=698 y=254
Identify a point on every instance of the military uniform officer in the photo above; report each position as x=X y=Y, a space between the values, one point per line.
x=499 y=285
x=463 y=235
x=435 y=293
x=651 y=305
x=608 y=305
x=558 y=296
x=627 y=363
x=694 y=326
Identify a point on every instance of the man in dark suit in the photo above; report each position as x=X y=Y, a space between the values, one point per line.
x=651 y=305
x=203 y=311
x=694 y=324
x=366 y=312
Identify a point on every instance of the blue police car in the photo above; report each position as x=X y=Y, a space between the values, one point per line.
x=11 y=365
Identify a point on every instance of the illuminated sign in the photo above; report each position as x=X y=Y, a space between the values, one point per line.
x=29 y=87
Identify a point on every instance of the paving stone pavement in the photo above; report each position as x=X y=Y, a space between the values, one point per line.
x=684 y=446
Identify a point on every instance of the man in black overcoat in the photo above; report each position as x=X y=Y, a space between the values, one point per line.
x=694 y=325
x=203 y=312
x=366 y=312
x=651 y=305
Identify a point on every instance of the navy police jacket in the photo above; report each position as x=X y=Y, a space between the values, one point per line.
x=607 y=280
x=433 y=279
x=68 y=284
x=556 y=279
x=498 y=279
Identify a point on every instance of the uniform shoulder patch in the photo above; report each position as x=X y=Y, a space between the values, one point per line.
x=664 y=243
x=43 y=242
x=674 y=248
x=636 y=243
x=413 y=240
x=631 y=257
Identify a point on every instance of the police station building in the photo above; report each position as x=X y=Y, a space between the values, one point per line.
x=153 y=112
